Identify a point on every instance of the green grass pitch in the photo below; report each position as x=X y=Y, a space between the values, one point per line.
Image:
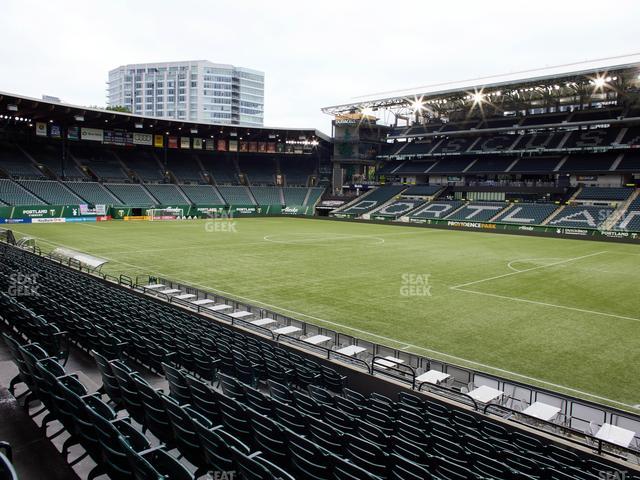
x=563 y=314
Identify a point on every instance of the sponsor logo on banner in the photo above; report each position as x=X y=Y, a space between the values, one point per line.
x=244 y=146
x=253 y=146
x=185 y=142
x=222 y=145
x=19 y=220
x=55 y=131
x=572 y=231
x=92 y=134
x=290 y=210
x=41 y=129
x=48 y=220
x=96 y=210
x=262 y=147
x=197 y=143
x=233 y=145
x=271 y=147
x=158 y=141
x=488 y=226
x=526 y=229
x=79 y=219
x=172 y=142
x=73 y=133
x=117 y=137
x=607 y=233
x=208 y=145
x=142 y=139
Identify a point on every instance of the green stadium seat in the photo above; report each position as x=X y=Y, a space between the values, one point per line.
x=154 y=463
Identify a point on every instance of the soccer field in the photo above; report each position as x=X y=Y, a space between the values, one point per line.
x=563 y=314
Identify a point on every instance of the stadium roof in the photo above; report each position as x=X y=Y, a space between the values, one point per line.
x=39 y=110
x=538 y=76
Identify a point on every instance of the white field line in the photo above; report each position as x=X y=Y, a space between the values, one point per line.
x=545 y=304
x=382 y=337
x=455 y=287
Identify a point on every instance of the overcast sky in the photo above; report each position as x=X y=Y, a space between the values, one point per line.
x=314 y=54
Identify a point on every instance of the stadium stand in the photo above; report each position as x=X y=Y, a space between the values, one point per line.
x=104 y=165
x=50 y=155
x=494 y=143
x=222 y=169
x=630 y=220
x=533 y=120
x=422 y=190
x=374 y=199
x=496 y=164
x=131 y=194
x=202 y=194
x=12 y=193
x=581 y=217
x=437 y=209
x=314 y=195
x=451 y=165
x=536 y=164
x=630 y=162
x=143 y=163
x=274 y=414
x=15 y=164
x=184 y=165
x=477 y=211
x=454 y=145
x=167 y=194
x=92 y=192
x=295 y=171
x=413 y=168
x=294 y=195
x=235 y=195
x=259 y=171
x=527 y=213
x=588 y=163
x=398 y=208
x=267 y=195
x=603 y=193
x=539 y=140
x=52 y=192
x=422 y=147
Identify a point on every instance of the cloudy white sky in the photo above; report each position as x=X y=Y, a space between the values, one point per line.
x=314 y=54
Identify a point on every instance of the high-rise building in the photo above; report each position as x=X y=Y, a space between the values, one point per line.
x=198 y=90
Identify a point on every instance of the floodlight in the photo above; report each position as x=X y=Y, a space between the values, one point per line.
x=12 y=108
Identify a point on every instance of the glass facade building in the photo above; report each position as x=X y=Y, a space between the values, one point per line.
x=199 y=91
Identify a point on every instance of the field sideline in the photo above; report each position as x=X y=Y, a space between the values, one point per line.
x=564 y=314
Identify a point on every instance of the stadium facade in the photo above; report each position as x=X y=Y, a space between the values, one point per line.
x=559 y=144
x=199 y=91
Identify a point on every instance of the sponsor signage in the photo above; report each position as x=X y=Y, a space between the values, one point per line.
x=96 y=210
x=117 y=137
x=233 y=145
x=56 y=132
x=142 y=139
x=197 y=143
x=222 y=145
x=41 y=129
x=158 y=141
x=73 y=133
x=172 y=142
x=185 y=142
x=209 y=145
x=92 y=134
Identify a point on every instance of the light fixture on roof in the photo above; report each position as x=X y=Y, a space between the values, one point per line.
x=12 y=108
x=139 y=125
x=194 y=130
x=417 y=105
x=477 y=97
x=79 y=118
